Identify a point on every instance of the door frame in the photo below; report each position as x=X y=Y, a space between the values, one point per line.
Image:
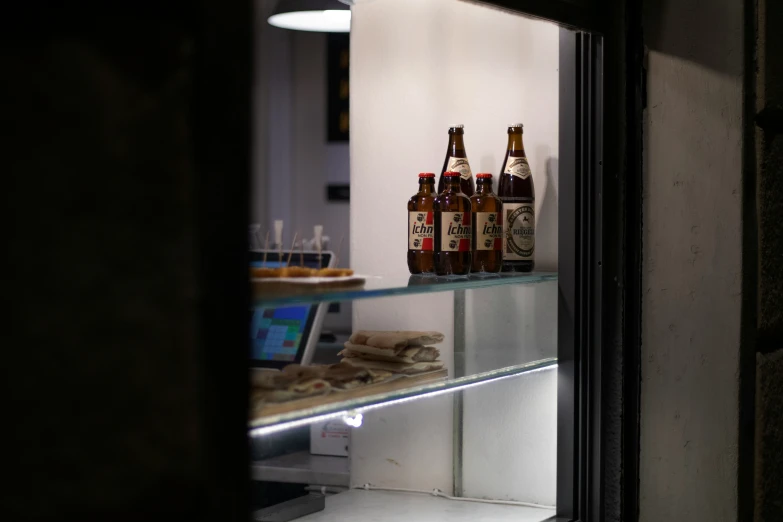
x=600 y=252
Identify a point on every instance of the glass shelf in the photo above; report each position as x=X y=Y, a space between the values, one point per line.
x=398 y=285
x=350 y=406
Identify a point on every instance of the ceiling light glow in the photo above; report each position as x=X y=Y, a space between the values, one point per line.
x=328 y=21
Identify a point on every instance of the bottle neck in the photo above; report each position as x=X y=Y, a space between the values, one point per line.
x=427 y=186
x=515 y=143
x=453 y=184
x=484 y=187
x=456 y=143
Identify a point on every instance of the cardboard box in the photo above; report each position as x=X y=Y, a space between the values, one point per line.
x=330 y=438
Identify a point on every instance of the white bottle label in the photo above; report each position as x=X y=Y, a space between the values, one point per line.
x=520 y=231
x=518 y=167
x=455 y=232
x=489 y=231
x=460 y=165
x=421 y=231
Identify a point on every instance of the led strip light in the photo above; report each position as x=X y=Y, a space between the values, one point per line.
x=353 y=414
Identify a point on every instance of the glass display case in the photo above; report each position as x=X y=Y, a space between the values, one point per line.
x=407 y=444
x=505 y=419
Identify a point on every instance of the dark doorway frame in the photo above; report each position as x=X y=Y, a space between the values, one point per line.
x=600 y=251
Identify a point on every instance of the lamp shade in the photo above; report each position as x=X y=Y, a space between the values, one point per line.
x=326 y=16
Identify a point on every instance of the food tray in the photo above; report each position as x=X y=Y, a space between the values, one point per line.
x=392 y=384
x=310 y=281
x=287 y=286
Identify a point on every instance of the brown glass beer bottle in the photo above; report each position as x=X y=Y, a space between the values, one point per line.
x=518 y=195
x=487 y=212
x=421 y=227
x=457 y=161
x=452 y=229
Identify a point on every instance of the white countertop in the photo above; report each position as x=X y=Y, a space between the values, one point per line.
x=385 y=506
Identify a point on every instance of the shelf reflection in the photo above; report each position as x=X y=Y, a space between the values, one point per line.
x=267 y=424
x=375 y=287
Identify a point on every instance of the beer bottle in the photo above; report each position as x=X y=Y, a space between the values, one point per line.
x=452 y=229
x=487 y=226
x=421 y=228
x=457 y=161
x=518 y=195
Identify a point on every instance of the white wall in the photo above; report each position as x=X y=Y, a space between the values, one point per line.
x=416 y=67
x=692 y=268
x=510 y=436
x=510 y=447
x=292 y=160
x=409 y=445
x=262 y=42
x=316 y=162
x=300 y=162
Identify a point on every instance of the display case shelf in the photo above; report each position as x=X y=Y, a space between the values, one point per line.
x=303 y=468
x=386 y=506
x=392 y=286
x=380 y=395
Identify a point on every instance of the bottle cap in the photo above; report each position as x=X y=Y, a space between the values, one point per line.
x=484 y=175
x=451 y=174
x=517 y=125
x=457 y=126
x=426 y=175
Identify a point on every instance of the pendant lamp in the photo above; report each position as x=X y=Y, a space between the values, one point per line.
x=325 y=16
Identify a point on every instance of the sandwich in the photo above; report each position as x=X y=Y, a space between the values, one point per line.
x=395 y=340
x=345 y=376
x=412 y=354
x=394 y=367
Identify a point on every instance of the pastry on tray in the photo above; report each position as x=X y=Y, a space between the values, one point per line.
x=259 y=272
x=298 y=382
x=346 y=376
x=334 y=272
x=299 y=372
x=282 y=387
x=298 y=271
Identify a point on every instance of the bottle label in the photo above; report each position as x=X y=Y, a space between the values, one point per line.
x=455 y=232
x=421 y=231
x=460 y=165
x=489 y=231
x=518 y=167
x=520 y=231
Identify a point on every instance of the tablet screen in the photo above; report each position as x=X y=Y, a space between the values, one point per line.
x=276 y=333
x=279 y=335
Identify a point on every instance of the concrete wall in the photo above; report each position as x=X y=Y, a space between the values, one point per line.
x=769 y=437
x=692 y=265
x=769 y=150
x=454 y=62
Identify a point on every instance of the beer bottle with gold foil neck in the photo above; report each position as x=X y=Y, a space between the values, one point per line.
x=518 y=195
x=457 y=161
x=421 y=226
x=487 y=226
x=453 y=229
